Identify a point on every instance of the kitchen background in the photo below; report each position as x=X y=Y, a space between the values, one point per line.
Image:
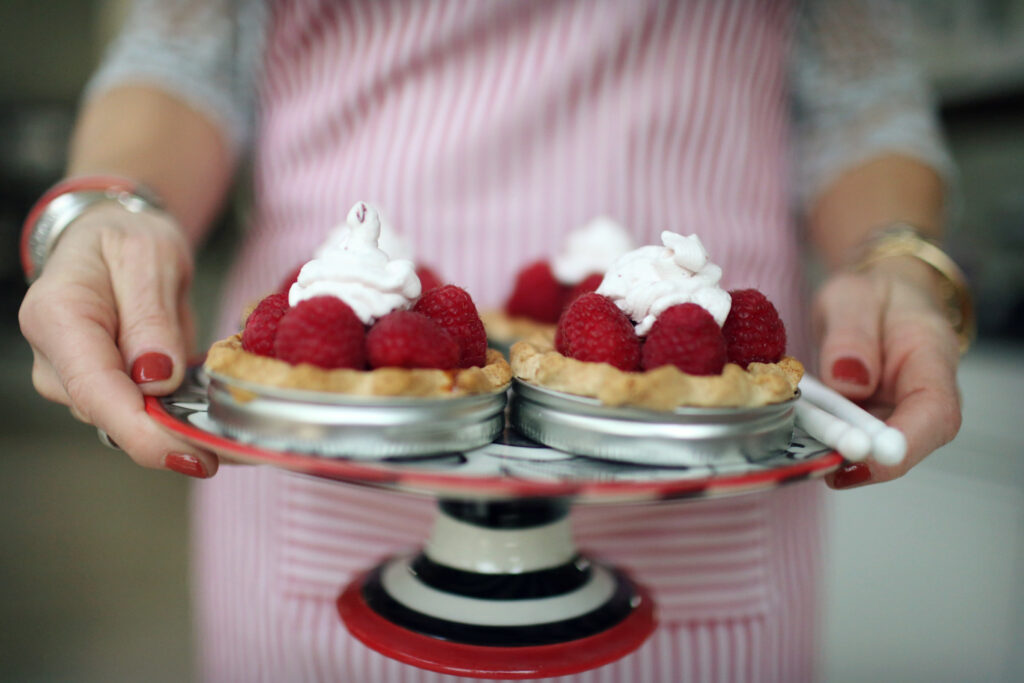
x=926 y=574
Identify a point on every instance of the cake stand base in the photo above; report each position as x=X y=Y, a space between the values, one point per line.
x=499 y=592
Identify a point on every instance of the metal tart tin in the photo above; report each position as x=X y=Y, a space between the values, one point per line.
x=368 y=427
x=686 y=436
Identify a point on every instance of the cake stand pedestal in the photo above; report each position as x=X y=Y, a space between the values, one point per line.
x=499 y=589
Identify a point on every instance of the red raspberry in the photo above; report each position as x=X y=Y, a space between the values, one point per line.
x=322 y=331
x=589 y=284
x=290 y=279
x=537 y=294
x=405 y=339
x=452 y=308
x=261 y=325
x=428 y=278
x=753 y=331
x=593 y=329
x=687 y=337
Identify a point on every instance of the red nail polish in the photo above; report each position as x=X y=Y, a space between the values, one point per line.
x=185 y=464
x=851 y=370
x=851 y=474
x=152 y=367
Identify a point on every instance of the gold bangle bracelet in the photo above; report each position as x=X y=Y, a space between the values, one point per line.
x=902 y=239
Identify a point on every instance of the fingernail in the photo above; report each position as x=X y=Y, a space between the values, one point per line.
x=851 y=370
x=851 y=474
x=152 y=367
x=185 y=464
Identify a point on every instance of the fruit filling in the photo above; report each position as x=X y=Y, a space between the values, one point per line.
x=661 y=305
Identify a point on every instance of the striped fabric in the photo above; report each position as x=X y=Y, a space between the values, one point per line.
x=734 y=579
x=487 y=131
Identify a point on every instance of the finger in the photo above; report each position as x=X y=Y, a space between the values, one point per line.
x=849 y=474
x=146 y=282
x=46 y=382
x=849 y=311
x=927 y=406
x=100 y=391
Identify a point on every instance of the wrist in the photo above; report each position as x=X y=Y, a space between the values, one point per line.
x=911 y=270
x=68 y=200
x=900 y=250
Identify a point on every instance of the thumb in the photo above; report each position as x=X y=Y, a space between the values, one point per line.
x=147 y=277
x=848 y=312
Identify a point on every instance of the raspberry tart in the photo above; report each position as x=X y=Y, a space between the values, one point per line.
x=544 y=288
x=356 y=331
x=659 y=333
x=356 y=322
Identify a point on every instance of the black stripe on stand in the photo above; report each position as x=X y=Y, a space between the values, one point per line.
x=523 y=513
x=543 y=583
x=601 y=619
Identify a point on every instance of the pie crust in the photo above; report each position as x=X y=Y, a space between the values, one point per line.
x=535 y=360
x=227 y=357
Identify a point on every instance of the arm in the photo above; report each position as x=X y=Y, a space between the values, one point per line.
x=886 y=189
x=109 y=319
x=869 y=154
x=145 y=134
x=885 y=339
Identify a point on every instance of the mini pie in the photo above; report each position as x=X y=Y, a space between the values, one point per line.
x=658 y=332
x=536 y=361
x=544 y=288
x=357 y=322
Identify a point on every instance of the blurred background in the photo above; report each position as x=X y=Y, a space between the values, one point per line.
x=925 y=575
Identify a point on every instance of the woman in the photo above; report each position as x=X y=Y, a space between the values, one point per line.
x=488 y=130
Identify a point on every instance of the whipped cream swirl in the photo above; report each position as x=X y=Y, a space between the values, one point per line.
x=356 y=270
x=590 y=249
x=647 y=281
x=390 y=241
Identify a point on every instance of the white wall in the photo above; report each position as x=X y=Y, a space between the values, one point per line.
x=926 y=574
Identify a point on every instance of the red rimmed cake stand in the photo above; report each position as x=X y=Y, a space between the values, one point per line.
x=500 y=590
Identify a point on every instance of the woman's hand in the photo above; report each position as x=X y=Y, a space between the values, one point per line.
x=109 y=322
x=886 y=344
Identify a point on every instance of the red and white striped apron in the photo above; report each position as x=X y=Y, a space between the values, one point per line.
x=487 y=131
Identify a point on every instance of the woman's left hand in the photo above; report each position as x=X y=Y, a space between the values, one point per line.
x=886 y=343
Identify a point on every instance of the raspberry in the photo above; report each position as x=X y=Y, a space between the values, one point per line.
x=452 y=308
x=753 y=331
x=687 y=337
x=261 y=325
x=593 y=329
x=589 y=284
x=405 y=339
x=537 y=294
x=290 y=279
x=428 y=278
x=322 y=331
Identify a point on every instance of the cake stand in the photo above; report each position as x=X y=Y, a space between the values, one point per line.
x=500 y=590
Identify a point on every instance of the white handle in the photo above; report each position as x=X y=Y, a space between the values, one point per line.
x=888 y=445
x=852 y=443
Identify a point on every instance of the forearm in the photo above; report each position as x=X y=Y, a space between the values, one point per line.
x=885 y=190
x=147 y=135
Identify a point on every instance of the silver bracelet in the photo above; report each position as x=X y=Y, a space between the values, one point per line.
x=65 y=209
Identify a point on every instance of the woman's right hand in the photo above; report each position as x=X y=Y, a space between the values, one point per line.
x=109 y=322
